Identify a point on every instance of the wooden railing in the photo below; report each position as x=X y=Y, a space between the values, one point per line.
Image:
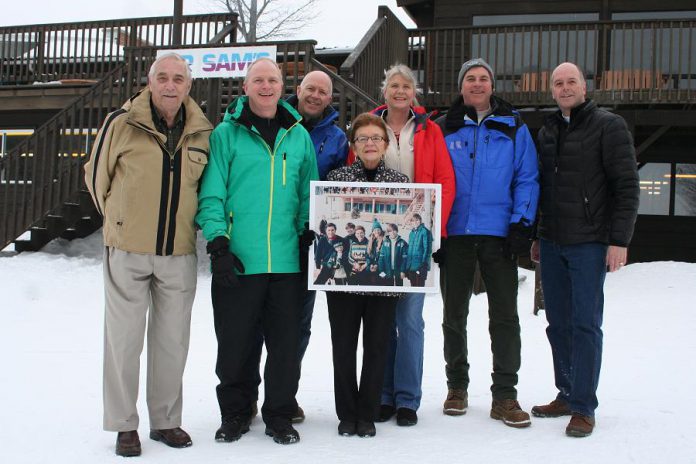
x=384 y=45
x=623 y=61
x=45 y=171
x=90 y=50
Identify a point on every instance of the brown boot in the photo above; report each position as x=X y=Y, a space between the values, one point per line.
x=298 y=416
x=175 y=438
x=510 y=412
x=580 y=426
x=456 y=403
x=556 y=408
x=128 y=444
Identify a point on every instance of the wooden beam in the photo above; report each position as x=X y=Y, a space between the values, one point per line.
x=650 y=140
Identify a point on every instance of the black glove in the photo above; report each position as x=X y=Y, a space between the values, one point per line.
x=440 y=255
x=518 y=241
x=307 y=238
x=305 y=241
x=223 y=262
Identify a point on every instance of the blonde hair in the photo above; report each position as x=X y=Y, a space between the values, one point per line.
x=404 y=71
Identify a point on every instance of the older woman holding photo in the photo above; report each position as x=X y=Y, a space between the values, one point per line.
x=417 y=149
x=357 y=406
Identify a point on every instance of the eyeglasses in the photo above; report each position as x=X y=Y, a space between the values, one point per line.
x=363 y=139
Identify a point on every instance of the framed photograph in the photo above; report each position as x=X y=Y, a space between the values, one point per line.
x=375 y=237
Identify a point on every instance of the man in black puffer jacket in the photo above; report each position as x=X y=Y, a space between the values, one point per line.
x=587 y=210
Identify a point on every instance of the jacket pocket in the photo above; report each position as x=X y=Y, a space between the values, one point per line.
x=586 y=207
x=196 y=160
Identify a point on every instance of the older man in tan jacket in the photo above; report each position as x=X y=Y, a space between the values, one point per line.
x=143 y=175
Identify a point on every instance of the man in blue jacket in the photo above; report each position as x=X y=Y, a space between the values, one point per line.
x=496 y=171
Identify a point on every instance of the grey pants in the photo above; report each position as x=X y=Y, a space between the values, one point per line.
x=132 y=284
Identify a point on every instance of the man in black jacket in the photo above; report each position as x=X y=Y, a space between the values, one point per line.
x=587 y=210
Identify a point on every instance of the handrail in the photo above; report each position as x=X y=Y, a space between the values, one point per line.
x=645 y=61
x=45 y=170
x=351 y=99
x=90 y=49
x=385 y=44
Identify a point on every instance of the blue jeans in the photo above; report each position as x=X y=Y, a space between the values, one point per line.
x=572 y=277
x=403 y=375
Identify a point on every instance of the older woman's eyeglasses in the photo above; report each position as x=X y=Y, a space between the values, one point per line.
x=364 y=138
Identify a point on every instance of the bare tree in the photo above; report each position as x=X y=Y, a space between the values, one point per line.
x=269 y=19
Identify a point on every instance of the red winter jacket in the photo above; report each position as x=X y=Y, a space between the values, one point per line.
x=432 y=161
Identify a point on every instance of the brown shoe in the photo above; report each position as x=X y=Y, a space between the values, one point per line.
x=298 y=416
x=456 y=403
x=176 y=437
x=510 y=412
x=580 y=426
x=556 y=408
x=128 y=444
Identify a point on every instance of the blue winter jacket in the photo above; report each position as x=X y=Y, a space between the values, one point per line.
x=495 y=165
x=330 y=142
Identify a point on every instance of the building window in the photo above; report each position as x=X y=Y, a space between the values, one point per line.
x=685 y=190
x=654 y=189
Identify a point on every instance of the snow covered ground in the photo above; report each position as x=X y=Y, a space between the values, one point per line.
x=50 y=383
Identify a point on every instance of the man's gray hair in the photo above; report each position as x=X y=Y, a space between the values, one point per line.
x=404 y=71
x=264 y=58
x=170 y=56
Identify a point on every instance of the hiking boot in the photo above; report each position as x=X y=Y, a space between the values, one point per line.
x=556 y=408
x=510 y=413
x=174 y=438
x=580 y=426
x=456 y=403
x=128 y=444
x=347 y=428
x=386 y=412
x=232 y=428
x=284 y=434
x=406 y=417
x=298 y=416
x=366 y=429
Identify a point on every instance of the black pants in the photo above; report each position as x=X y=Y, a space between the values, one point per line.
x=272 y=302
x=499 y=273
x=346 y=312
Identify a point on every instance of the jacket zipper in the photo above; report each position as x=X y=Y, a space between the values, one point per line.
x=270 y=203
x=284 y=158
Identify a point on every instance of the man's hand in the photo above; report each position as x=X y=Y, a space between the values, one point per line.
x=616 y=257
x=441 y=254
x=518 y=240
x=223 y=262
x=307 y=238
x=534 y=252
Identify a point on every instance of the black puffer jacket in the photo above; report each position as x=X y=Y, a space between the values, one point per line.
x=589 y=178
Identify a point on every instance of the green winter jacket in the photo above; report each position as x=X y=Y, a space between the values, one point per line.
x=256 y=196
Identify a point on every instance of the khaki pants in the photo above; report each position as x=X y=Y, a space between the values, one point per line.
x=132 y=284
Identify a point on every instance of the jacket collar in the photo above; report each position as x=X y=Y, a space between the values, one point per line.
x=287 y=115
x=577 y=114
x=327 y=118
x=458 y=110
x=420 y=115
x=140 y=114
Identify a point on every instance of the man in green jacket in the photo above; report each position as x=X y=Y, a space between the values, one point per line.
x=253 y=207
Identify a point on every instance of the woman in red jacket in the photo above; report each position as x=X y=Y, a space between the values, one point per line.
x=416 y=148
